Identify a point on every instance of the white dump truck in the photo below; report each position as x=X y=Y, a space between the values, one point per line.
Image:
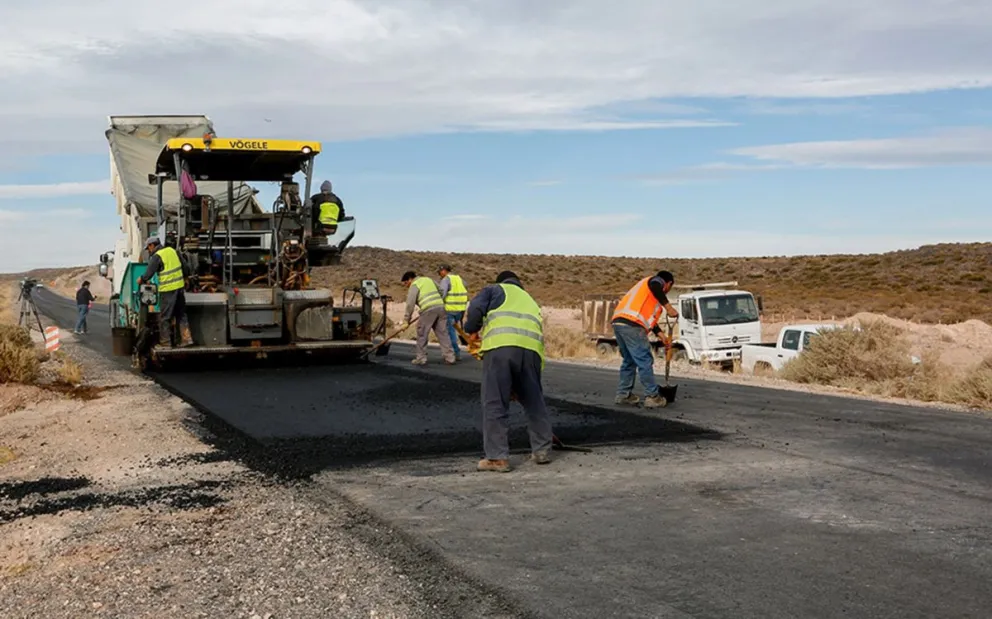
x=715 y=321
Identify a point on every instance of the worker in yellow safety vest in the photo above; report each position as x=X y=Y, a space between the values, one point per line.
x=424 y=295
x=172 y=275
x=455 y=295
x=328 y=210
x=510 y=325
x=636 y=314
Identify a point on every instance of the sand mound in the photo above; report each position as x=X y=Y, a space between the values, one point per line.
x=958 y=345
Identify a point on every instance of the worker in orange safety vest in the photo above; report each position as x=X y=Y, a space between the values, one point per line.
x=637 y=314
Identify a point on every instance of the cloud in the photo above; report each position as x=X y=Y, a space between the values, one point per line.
x=370 y=68
x=54 y=190
x=26 y=240
x=12 y=215
x=628 y=235
x=703 y=173
x=769 y=108
x=967 y=146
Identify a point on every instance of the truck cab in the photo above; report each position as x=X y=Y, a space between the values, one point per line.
x=715 y=323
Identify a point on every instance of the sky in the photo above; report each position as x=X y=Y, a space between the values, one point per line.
x=653 y=128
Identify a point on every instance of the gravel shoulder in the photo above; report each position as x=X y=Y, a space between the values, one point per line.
x=119 y=506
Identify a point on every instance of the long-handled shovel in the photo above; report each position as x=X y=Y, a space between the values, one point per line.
x=668 y=390
x=378 y=348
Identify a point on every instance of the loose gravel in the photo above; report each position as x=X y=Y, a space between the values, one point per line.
x=134 y=505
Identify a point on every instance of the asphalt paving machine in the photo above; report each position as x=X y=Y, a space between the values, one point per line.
x=250 y=292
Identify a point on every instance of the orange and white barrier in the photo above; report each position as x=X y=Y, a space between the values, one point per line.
x=52 y=339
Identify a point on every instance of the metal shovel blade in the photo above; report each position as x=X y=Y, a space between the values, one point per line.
x=668 y=392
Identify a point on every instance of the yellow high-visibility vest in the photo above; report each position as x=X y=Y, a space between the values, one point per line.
x=171 y=276
x=429 y=296
x=329 y=212
x=516 y=322
x=457 y=298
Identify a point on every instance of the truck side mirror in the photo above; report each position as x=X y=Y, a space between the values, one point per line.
x=761 y=304
x=103 y=269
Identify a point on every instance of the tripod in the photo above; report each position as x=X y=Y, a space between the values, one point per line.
x=27 y=309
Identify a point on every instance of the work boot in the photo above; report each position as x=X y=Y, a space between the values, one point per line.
x=655 y=401
x=451 y=361
x=630 y=399
x=419 y=362
x=164 y=340
x=540 y=457
x=186 y=337
x=496 y=466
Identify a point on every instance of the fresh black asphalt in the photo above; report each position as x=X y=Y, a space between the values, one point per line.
x=737 y=501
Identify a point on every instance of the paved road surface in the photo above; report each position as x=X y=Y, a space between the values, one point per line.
x=737 y=502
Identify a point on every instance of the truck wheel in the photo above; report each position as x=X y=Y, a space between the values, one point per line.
x=679 y=355
x=606 y=348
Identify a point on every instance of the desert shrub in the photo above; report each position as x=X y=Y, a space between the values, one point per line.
x=18 y=336
x=975 y=387
x=18 y=364
x=563 y=343
x=876 y=360
x=70 y=373
x=846 y=355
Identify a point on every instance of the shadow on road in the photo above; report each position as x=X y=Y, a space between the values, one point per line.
x=294 y=423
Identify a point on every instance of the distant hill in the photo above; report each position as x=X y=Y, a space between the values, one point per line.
x=947 y=282
x=935 y=283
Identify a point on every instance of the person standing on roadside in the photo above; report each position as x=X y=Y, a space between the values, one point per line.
x=84 y=300
x=637 y=314
x=455 y=295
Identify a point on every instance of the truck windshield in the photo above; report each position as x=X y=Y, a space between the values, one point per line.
x=731 y=309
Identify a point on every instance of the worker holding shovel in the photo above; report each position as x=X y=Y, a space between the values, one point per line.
x=504 y=324
x=425 y=296
x=637 y=314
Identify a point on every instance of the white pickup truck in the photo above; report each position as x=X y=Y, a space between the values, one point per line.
x=792 y=340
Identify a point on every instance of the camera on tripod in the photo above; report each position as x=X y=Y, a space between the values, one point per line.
x=27 y=285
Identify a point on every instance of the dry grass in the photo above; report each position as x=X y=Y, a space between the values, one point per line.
x=8 y=295
x=564 y=343
x=18 y=336
x=19 y=361
x=876 y=360
x=947 y=283
x=69 y=373
x=18 y=364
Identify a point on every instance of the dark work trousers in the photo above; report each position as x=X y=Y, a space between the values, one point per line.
x=172 y=304
x=518 y=370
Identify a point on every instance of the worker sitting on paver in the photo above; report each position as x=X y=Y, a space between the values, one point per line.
x=455 y=295
x=636 y=314
x=509 y=323
x=172 y=274
x=425 y=296
x=328 y=210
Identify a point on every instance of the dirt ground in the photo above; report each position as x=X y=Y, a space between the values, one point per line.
x=114 y=506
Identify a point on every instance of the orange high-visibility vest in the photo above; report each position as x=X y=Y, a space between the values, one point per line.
x=640 y=306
